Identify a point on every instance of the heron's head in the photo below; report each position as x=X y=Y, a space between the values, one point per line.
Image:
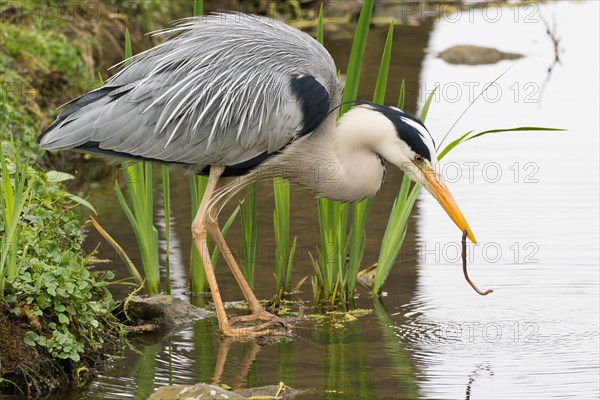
x=401 y=139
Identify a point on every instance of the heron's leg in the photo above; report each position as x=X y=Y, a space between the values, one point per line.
x=258 y=311
x=199 y=232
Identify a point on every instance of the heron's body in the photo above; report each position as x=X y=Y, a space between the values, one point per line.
x=220 y=92
x=232 y=94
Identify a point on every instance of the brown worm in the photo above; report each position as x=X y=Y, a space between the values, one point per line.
x=464 y=262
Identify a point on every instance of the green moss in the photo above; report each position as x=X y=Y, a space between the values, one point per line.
x=37 y=72
x=34 y=50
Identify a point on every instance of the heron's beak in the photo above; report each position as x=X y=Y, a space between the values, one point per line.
x=434 y=183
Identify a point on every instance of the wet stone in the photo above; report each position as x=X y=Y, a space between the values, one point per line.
x=201 y=391
x=270 y=392
x=161 y=311
x=211 y=392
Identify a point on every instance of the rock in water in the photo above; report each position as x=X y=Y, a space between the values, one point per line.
x=475 y=55
x=270 y=392
x=201 y=391
x=160 y=310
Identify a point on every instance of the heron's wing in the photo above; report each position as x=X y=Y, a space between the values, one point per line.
x=222 y=89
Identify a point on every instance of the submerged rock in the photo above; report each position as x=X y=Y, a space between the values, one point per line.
x=270 y=392
x=475 y=55
x=159 y=311
x=192 y=392
x=212 y=392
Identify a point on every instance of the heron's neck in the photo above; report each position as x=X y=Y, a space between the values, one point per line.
x=336 y=162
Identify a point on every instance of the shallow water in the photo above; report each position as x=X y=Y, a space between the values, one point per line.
x=531 y=199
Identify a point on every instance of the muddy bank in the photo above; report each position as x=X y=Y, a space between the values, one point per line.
x=29 y=371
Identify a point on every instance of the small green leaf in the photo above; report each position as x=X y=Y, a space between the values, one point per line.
x=453 y=144
x=81 y=201
x=30 y=338
x=58 y=177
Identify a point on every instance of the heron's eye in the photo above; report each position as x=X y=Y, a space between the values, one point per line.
x=419 y=158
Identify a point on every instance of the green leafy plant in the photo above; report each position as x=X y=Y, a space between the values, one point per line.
x=67 y=306
x=72 y=295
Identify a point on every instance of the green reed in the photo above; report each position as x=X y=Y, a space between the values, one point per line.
x=166 y=188
x=249 y=234
x=199 y=283
x=284 y=253
x=340 y=252
x=15 y=193
x=138 y=180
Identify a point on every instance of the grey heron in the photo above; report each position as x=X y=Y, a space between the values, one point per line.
x=246 y=96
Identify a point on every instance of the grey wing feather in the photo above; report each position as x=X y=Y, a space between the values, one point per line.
x=216 y=91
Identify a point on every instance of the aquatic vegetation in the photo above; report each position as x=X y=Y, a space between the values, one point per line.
x=198 y=279
x=284 y=253
x=340 y=254
x=395 y=231
x=12 y=202
x=250 y=228
x=138 y=180
x=166 y=189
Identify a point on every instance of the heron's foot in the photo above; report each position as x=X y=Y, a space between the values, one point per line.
x=260 y=330
x=263 y=315
x=260 y=315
